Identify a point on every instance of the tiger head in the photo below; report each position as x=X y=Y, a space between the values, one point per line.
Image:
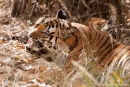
x=45 y=34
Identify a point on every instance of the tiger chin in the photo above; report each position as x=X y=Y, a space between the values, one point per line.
x=72 y=39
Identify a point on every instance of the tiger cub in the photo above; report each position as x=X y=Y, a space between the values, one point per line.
x=110 y=26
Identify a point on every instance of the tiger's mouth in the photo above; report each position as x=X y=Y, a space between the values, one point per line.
x=34 y=46
x=30 y=43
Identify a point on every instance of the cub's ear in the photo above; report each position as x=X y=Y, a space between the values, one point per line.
x=61 y=14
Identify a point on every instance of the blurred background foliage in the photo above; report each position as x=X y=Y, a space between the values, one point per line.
x=77 y=10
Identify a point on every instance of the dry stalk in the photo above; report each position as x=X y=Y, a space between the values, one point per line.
x=86 y=72
x=85 y=4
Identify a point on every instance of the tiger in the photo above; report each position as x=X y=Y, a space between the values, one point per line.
x=110 y=26
x=71 y=38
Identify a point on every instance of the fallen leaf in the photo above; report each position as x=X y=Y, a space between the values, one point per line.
x=82 y=86
x=25 y=60
x=42 y=68
x=17 y=57
x=20 y=46
x=1 y=41
x=15 y=32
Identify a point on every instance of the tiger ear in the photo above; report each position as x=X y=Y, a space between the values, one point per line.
x=61 y=14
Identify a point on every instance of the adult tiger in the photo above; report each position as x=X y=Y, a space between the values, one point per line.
x=60 y=35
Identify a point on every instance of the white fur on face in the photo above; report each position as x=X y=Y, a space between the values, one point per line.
x=51 y=29
x=105 y=28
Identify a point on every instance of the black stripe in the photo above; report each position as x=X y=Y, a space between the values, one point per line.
x=60 y=25
x=91 y=29
x=57 y=44
x=56 y=25
x=94 y=30
x=93 y=35
x=69 y=24
x=77 y=51
x=49 y=28
x=89 y=36
x=52 y=25
x=110 y=50
x=110 y=45
x=56 y=47
x=51 y=22
x=56 y=21
x=98 y=36
x=100 y=40
x=103 y=44
x=63 y=26
x=125 y=52
x=52 y=33
x=46 y=25
x=116 y=53
x=95 y=38
x=120 y=56
x=92 y=42
x=51 y=37
x=76 y=43
x=84 y=31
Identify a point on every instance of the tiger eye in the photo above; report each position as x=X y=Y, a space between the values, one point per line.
x=49 y=27
x=52 y=26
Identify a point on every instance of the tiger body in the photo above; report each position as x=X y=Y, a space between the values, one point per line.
x=71 y=38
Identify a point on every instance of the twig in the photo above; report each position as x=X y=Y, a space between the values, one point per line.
x=85 y=4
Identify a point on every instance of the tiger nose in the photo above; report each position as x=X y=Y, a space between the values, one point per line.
x=32 y=34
